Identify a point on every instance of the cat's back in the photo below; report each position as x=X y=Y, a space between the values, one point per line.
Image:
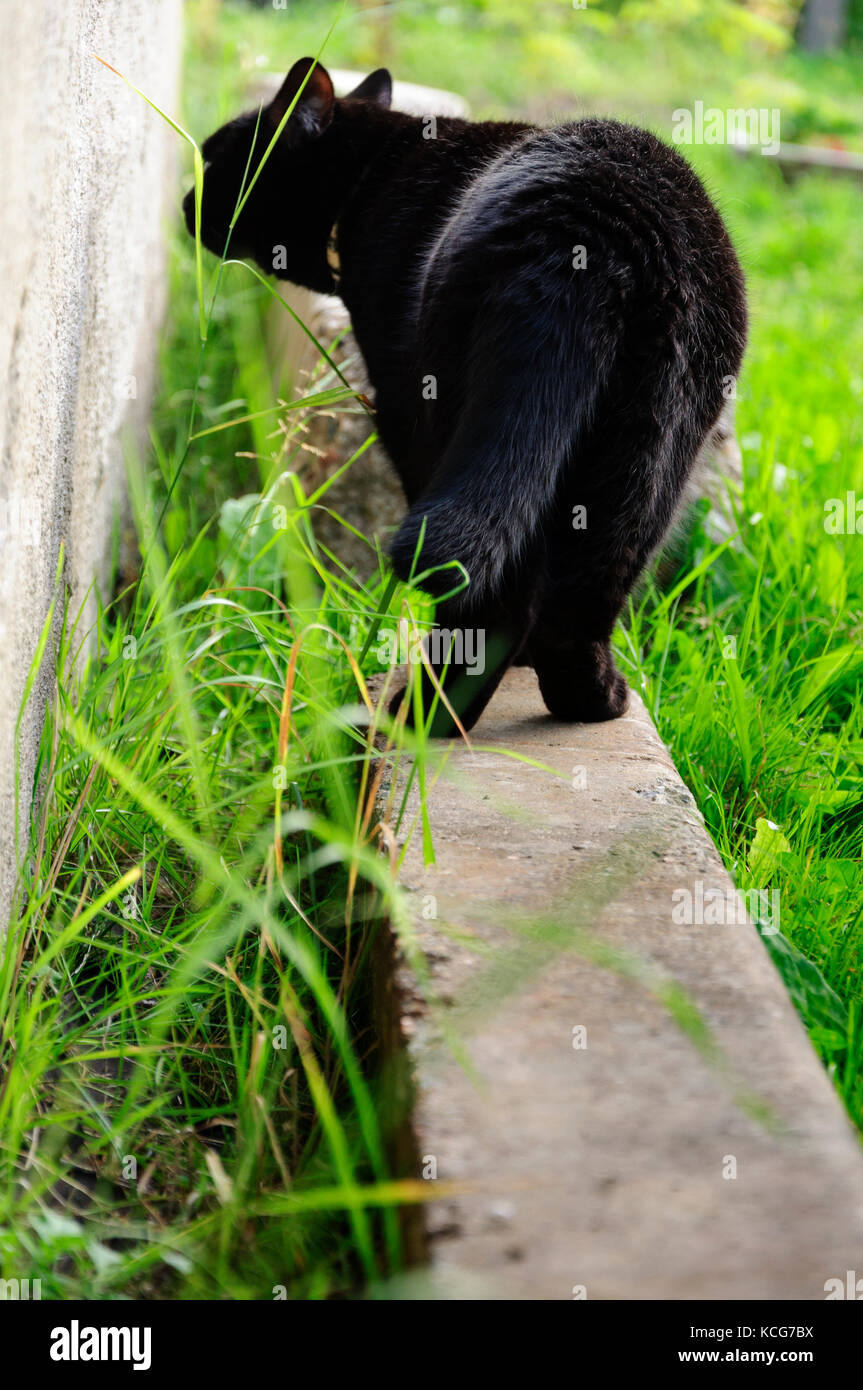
x=614 y=193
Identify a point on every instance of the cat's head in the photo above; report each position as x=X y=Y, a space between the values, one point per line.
x=282 y=202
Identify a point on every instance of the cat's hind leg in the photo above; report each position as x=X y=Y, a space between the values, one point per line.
x=572 y=656
x=618 y=499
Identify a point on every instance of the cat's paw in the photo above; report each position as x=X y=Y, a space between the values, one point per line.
x=590 y=702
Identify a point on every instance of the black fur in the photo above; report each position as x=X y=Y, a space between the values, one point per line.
x=555 y=387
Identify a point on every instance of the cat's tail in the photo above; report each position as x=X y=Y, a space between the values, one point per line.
x=525 y=400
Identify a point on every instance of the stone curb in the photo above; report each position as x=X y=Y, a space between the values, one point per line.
x=601 y=1163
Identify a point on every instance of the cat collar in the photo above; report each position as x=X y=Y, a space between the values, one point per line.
x=333 y=260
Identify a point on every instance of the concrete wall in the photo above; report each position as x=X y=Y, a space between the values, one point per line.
x=81 y=268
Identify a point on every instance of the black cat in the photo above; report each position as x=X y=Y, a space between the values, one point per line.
x=551 y=320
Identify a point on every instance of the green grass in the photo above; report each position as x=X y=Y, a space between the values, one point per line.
x=185 y=1001
x=190 y=1104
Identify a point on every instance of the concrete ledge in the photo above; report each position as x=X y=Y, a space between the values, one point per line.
x=600 y=1163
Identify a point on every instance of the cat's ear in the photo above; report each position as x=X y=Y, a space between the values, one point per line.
x=377 y=87
x=314 y=110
